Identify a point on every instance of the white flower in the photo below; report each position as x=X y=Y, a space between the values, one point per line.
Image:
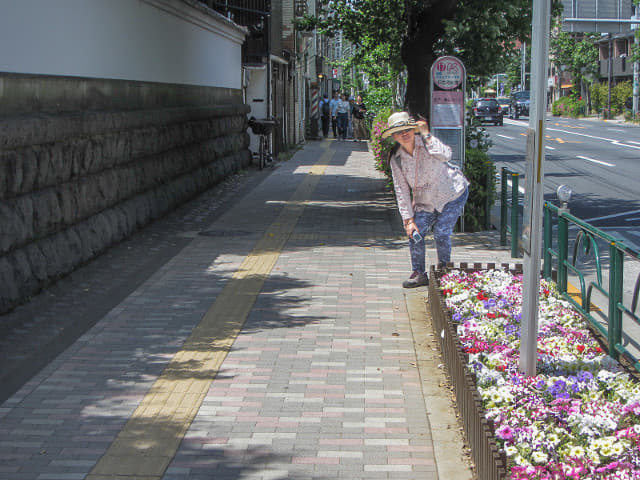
x=540 y=457
x=606 y=450
x=618 y=448
x=553 y=438
x=520 y=460
x=576 y=451
x=510 y=450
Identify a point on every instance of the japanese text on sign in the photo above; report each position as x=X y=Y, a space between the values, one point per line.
x=447 y=109
x=448 y=73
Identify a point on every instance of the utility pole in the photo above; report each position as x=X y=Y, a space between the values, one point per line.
x=636 y=68
x=523 y=67
x=534 y=177
x=610 y=77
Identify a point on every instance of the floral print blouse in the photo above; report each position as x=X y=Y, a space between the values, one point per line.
x=425 y=181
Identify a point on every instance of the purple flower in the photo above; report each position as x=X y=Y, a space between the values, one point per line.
x=585 y=376
x=510 y=329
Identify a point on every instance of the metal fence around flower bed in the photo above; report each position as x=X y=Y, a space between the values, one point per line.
x=491 y=464
x=602 y=271
x=594 y=273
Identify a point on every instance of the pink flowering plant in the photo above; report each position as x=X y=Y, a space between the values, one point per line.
x=381 y=146
x=579 y=417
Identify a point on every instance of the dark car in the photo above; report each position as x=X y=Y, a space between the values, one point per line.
x=519 y=104
x=504 y=104
x=487 y=110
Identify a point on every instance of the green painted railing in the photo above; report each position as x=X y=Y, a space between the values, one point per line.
x=509 y=208
x=586 y=242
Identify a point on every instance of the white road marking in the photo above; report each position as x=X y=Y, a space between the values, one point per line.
x=596 y=161
x=611 y=140
x=621 y=214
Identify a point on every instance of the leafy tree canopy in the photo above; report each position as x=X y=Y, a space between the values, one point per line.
x=578 y=55
x=413 y=33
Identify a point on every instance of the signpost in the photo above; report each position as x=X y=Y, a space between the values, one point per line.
x=448 y=84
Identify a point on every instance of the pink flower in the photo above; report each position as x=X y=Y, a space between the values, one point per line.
x=505 y=432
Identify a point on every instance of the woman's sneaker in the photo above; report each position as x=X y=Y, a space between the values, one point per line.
x=416 y=280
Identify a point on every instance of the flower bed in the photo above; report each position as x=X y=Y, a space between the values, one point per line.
x=578 y=418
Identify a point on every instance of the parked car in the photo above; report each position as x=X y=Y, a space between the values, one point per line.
x=487 y=110
x=504 y=104
x=519 y=104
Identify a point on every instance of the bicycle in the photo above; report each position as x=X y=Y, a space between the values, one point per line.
x=263 y=128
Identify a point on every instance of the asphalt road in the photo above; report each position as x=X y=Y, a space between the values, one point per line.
x=599 y=160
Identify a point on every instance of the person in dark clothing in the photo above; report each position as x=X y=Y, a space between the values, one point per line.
x=325 y=115
x=358 y=110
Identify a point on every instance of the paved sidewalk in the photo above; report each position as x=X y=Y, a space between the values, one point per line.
x=259 y=332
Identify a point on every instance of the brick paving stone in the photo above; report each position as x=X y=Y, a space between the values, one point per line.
x=321 y=380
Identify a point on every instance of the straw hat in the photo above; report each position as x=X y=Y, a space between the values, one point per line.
x=398 y=122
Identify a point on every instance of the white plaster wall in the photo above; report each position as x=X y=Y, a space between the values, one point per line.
x=167 y=41
x=257 y=100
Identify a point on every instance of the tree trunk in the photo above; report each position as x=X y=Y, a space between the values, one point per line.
x=417 y=100
x=425 y=27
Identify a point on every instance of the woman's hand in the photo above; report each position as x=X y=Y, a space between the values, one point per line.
x=409 y=227
x=423 y=126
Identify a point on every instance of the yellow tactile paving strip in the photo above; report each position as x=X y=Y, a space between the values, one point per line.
x=149 y=440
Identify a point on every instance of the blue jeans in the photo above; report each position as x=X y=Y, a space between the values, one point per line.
x=343 y=123
x=442 y=224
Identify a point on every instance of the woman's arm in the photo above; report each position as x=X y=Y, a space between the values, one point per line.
x=437 y=149
x=434 y=146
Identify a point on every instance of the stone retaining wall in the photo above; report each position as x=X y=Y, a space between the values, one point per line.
x=81 y=169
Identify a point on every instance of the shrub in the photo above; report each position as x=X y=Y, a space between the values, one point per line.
x=599 y=92
x=481 y=173
x=476 y=136
x=619 y=95
x=381 y=147
x=568 y=106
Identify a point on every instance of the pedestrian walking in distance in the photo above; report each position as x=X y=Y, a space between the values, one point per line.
x=325 y=115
